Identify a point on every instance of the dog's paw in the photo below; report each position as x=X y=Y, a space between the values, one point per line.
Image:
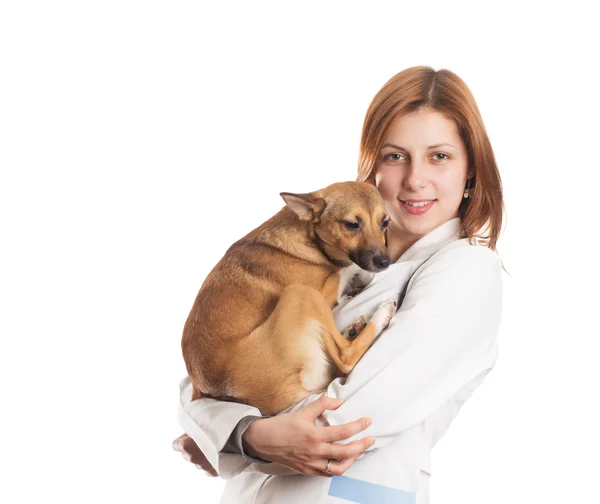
x=354 y=329
x=382 y=317
x=359 y=281
x=354 y=292
x=342 y=300
x=354 y=284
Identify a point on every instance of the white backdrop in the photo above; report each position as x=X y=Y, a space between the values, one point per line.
x=139 y=139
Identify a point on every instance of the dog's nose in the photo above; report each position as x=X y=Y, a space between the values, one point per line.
x=381 y=262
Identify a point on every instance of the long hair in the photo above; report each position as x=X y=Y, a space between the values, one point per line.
x=442 y=91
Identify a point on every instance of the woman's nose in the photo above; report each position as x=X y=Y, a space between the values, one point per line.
x=416 y=176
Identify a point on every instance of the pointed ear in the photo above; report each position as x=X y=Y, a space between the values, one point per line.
x=305 y=206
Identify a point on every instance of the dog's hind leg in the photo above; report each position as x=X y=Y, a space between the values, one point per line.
x=293 y=353
x=347 y=352
x=301 y=303
x=353 y=330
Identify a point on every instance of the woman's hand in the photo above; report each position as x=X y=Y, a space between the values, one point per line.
x=294 y=441
x=190 y=452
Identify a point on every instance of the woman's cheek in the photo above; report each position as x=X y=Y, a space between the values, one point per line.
x=378 y=178
x=454 y=195
x=385 y=183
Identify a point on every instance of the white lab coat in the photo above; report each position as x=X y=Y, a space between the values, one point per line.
x=437 y=349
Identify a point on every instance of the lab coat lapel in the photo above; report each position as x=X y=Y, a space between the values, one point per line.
x=424 y=247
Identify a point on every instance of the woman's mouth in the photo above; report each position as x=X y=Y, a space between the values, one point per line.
x=417 y=207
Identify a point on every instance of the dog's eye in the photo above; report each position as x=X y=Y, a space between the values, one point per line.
x=385 y=224
x=352 y=226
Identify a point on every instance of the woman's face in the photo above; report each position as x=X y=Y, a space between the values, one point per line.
x=421 y=173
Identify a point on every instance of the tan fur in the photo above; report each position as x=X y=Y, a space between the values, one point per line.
x=261 y=329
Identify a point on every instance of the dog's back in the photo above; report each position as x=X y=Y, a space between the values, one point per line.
x=240 y=293
x=254 y=333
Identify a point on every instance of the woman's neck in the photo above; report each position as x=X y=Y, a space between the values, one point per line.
x=399 y=241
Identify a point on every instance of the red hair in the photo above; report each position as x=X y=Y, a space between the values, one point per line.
x=443 y=91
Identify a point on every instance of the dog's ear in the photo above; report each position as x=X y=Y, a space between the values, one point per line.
x=305 y=206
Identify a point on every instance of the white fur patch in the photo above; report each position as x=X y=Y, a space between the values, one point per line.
x=315 y=374
x=383 y=315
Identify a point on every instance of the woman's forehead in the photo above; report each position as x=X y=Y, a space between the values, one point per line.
x=422 y=128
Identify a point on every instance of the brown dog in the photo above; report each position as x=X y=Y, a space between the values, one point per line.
x=261 y=330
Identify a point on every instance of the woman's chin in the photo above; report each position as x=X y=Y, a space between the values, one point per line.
x=419 y=226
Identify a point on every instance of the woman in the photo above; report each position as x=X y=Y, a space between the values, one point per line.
x=425 y=148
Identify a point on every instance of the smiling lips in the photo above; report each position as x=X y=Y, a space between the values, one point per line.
x=417 y=207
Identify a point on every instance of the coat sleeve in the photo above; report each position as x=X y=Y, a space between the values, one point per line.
x=443 y=338
x=210 y=422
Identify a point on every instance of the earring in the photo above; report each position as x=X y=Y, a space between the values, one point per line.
x=467 y=192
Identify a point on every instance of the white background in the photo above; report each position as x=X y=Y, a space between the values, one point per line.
x=138 y=140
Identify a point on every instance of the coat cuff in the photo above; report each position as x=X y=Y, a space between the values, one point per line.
x=235 y=445
x=210 y=422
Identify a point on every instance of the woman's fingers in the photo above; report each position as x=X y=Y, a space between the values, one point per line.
x=310 y=471
x=337 y=468
x=189 y=451
x=340 y=432
x=340 y=456
x=350 y=450
x=316 y=408
x=177 y=442
x=293 y=440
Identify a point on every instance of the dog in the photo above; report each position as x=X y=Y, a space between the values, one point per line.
x=261 y=330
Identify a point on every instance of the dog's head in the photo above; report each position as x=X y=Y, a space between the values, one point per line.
x=349 y=222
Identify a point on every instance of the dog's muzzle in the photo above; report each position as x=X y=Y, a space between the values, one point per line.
x=371 y=260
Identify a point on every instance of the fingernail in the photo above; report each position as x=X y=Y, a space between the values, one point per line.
x=371 y=441
x=369 y=422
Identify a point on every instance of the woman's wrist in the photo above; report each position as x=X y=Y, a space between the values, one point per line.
x=251 y=439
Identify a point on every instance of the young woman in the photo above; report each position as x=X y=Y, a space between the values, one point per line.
x=425 y=148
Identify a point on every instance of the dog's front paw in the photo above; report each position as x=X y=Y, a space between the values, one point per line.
x=356 y=282
x=359 y=281
x=342 y=300
x=382 y=317
x=353 y=292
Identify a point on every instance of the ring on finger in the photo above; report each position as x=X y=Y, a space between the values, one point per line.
x=327 y=471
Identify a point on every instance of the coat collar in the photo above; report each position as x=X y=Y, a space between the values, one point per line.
x=433 y=241
x=425 y=246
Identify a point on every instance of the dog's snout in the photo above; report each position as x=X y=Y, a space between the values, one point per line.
x=381 y=261
x=371 y=260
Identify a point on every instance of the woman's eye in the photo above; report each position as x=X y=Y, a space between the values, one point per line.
x=393 y=157
x=352 y=226
x=442 y=158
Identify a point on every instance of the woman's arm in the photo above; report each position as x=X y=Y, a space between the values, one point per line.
x=292 y=440
x=435 y=352
x=209 y=423
x=442 y=338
